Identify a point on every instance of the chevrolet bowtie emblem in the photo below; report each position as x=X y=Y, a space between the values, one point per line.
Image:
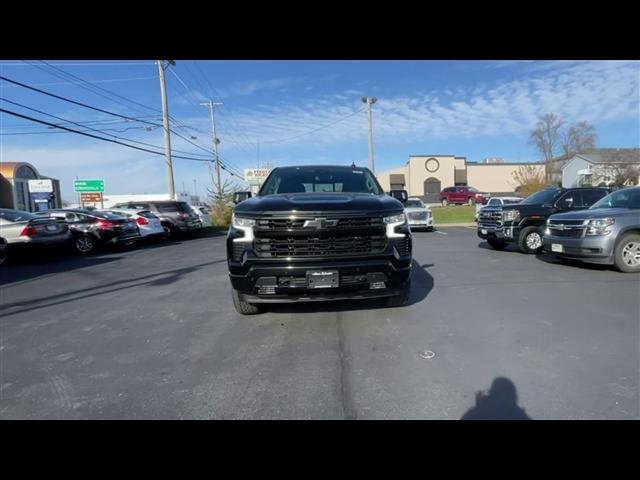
x=320 y=223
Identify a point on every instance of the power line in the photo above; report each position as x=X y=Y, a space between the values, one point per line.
x=111 y=80
x=101 y=64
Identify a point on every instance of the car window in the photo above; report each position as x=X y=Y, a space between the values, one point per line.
x=16 y=215
x=510 y=202
x=494 y=201
x=625 y=198
x=471 y=189
x=285 y=180
x=589 y=197
x=147 y=214
x=541 y=197
x=173 y=207
x=413 y=204
x=449 y=189
x=571 y=199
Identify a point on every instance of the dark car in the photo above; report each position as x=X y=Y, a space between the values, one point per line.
x=524 y=223
x=607 y=233
x=461 y=195
x=92 y=229
x=176 y=217
x=318 y=233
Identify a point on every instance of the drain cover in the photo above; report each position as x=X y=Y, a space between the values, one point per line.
x=427 y=354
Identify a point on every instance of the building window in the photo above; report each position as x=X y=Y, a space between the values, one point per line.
x=432 y=165
x=25 y=172
x=20 y=196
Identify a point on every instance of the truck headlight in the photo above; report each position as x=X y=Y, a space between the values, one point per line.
x=510 y=215
x=599 y=226
x=244 y=224
x=395 y=221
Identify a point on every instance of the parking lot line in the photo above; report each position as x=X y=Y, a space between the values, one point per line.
x=441 y=233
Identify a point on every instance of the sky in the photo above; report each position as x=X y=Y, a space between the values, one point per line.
x=299 y=112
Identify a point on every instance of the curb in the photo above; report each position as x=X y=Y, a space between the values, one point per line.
x=455 y=224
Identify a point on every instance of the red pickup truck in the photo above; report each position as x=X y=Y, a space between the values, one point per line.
x=462 y=195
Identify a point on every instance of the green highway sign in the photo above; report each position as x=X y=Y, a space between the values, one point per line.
x=88 y=185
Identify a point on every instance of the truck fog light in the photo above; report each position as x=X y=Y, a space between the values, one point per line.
x=377 y=285
x=547 y=231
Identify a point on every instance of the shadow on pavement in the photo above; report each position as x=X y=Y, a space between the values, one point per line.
x=554 y=260
x=500 y=403
x=421 y=286
x=156 y=279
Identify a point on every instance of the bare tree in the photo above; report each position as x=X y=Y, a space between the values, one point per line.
x=528 y=179
x=222 y=202
x=619 y=167
x=546 y=137
x=578 y=138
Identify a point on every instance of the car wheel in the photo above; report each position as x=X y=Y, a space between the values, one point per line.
x=626 y=256
x=496 y=244
x=3 y=251
x=242 y=307
x=445 y=202
x=471 y=201
x=169 y=231
x=402 y=299
x=530 y=240
x=85 y=244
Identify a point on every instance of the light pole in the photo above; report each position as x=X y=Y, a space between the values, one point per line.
x=165 y=123
x=211 y=105
x=370 y=101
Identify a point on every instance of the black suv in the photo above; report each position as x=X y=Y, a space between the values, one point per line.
x=175 y=216
x=318 y=233
x=524 y=222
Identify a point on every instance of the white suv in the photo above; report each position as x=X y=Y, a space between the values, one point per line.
x=418 y=214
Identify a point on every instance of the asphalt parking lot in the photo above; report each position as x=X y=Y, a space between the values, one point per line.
x=151 y=333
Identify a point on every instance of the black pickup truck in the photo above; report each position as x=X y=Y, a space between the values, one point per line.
x=318 y=233
x=524 y=222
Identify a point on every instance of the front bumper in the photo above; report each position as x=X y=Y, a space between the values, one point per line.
x=507 y=233
x=592 y=249
x=428 y=223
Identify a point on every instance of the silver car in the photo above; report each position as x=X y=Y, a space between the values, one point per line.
x=24 y=229
x=418 y=214
x=608 y=232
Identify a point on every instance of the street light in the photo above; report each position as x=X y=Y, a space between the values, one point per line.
x=370 y=101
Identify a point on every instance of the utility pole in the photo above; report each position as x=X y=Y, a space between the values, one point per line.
x=211 y=105
x=370 y=101
x=258 y=153
x=165 y=124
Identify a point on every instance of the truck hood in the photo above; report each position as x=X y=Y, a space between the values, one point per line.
x=595 y=213
x=360 y=203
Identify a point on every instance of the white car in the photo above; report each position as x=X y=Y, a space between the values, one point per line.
x=204 y=215
x=497 y=201
x=418 y=214
x=149 y=225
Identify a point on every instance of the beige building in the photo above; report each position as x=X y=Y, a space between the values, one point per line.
x=14 y=187
x=426 y=175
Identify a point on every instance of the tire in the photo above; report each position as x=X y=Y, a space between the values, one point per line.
x=402 y=299
x=445 y=202
x=496 y=244
x=530 y=240
x=3 y=252
x=85 y=244
x=169 y=231
x=242 y=307
x=626 y=255
x=471 y=201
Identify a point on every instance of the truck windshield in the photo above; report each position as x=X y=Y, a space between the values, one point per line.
x=627 y=198
x=320 y=180
x=541 y=197
x=413 y=204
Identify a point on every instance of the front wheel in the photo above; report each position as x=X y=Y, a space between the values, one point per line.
x=530 y=240
x=242 y=307
x=85 y=244
x=445 y=202
x=471 y=201
x=626 y=256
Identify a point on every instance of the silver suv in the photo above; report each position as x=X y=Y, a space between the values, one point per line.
x=608 y=232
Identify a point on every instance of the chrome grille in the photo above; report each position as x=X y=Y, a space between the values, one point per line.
x=417 y=215
x=566 y=228
x=318 y=245
x=491 y=218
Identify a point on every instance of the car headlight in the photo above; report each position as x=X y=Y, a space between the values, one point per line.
x=400 y=218
x=599 y=226
x=244 y=224
x=510 y=215
x=241 y=222
x=395 y=221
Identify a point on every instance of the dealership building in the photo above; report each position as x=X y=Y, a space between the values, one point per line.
x=15 y=191
x=425 y=176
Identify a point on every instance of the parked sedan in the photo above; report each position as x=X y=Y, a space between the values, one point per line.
x=21 y=229
x=92 y=229
x=607 y=233
x=418 y=214
x=149 y=225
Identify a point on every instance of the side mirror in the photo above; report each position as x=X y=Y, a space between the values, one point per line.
x=240 y=196
x=401 y=195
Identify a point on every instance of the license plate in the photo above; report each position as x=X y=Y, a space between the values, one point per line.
x=556 y=247
x=322 y=279
x=52 y=228
x=483 y=231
